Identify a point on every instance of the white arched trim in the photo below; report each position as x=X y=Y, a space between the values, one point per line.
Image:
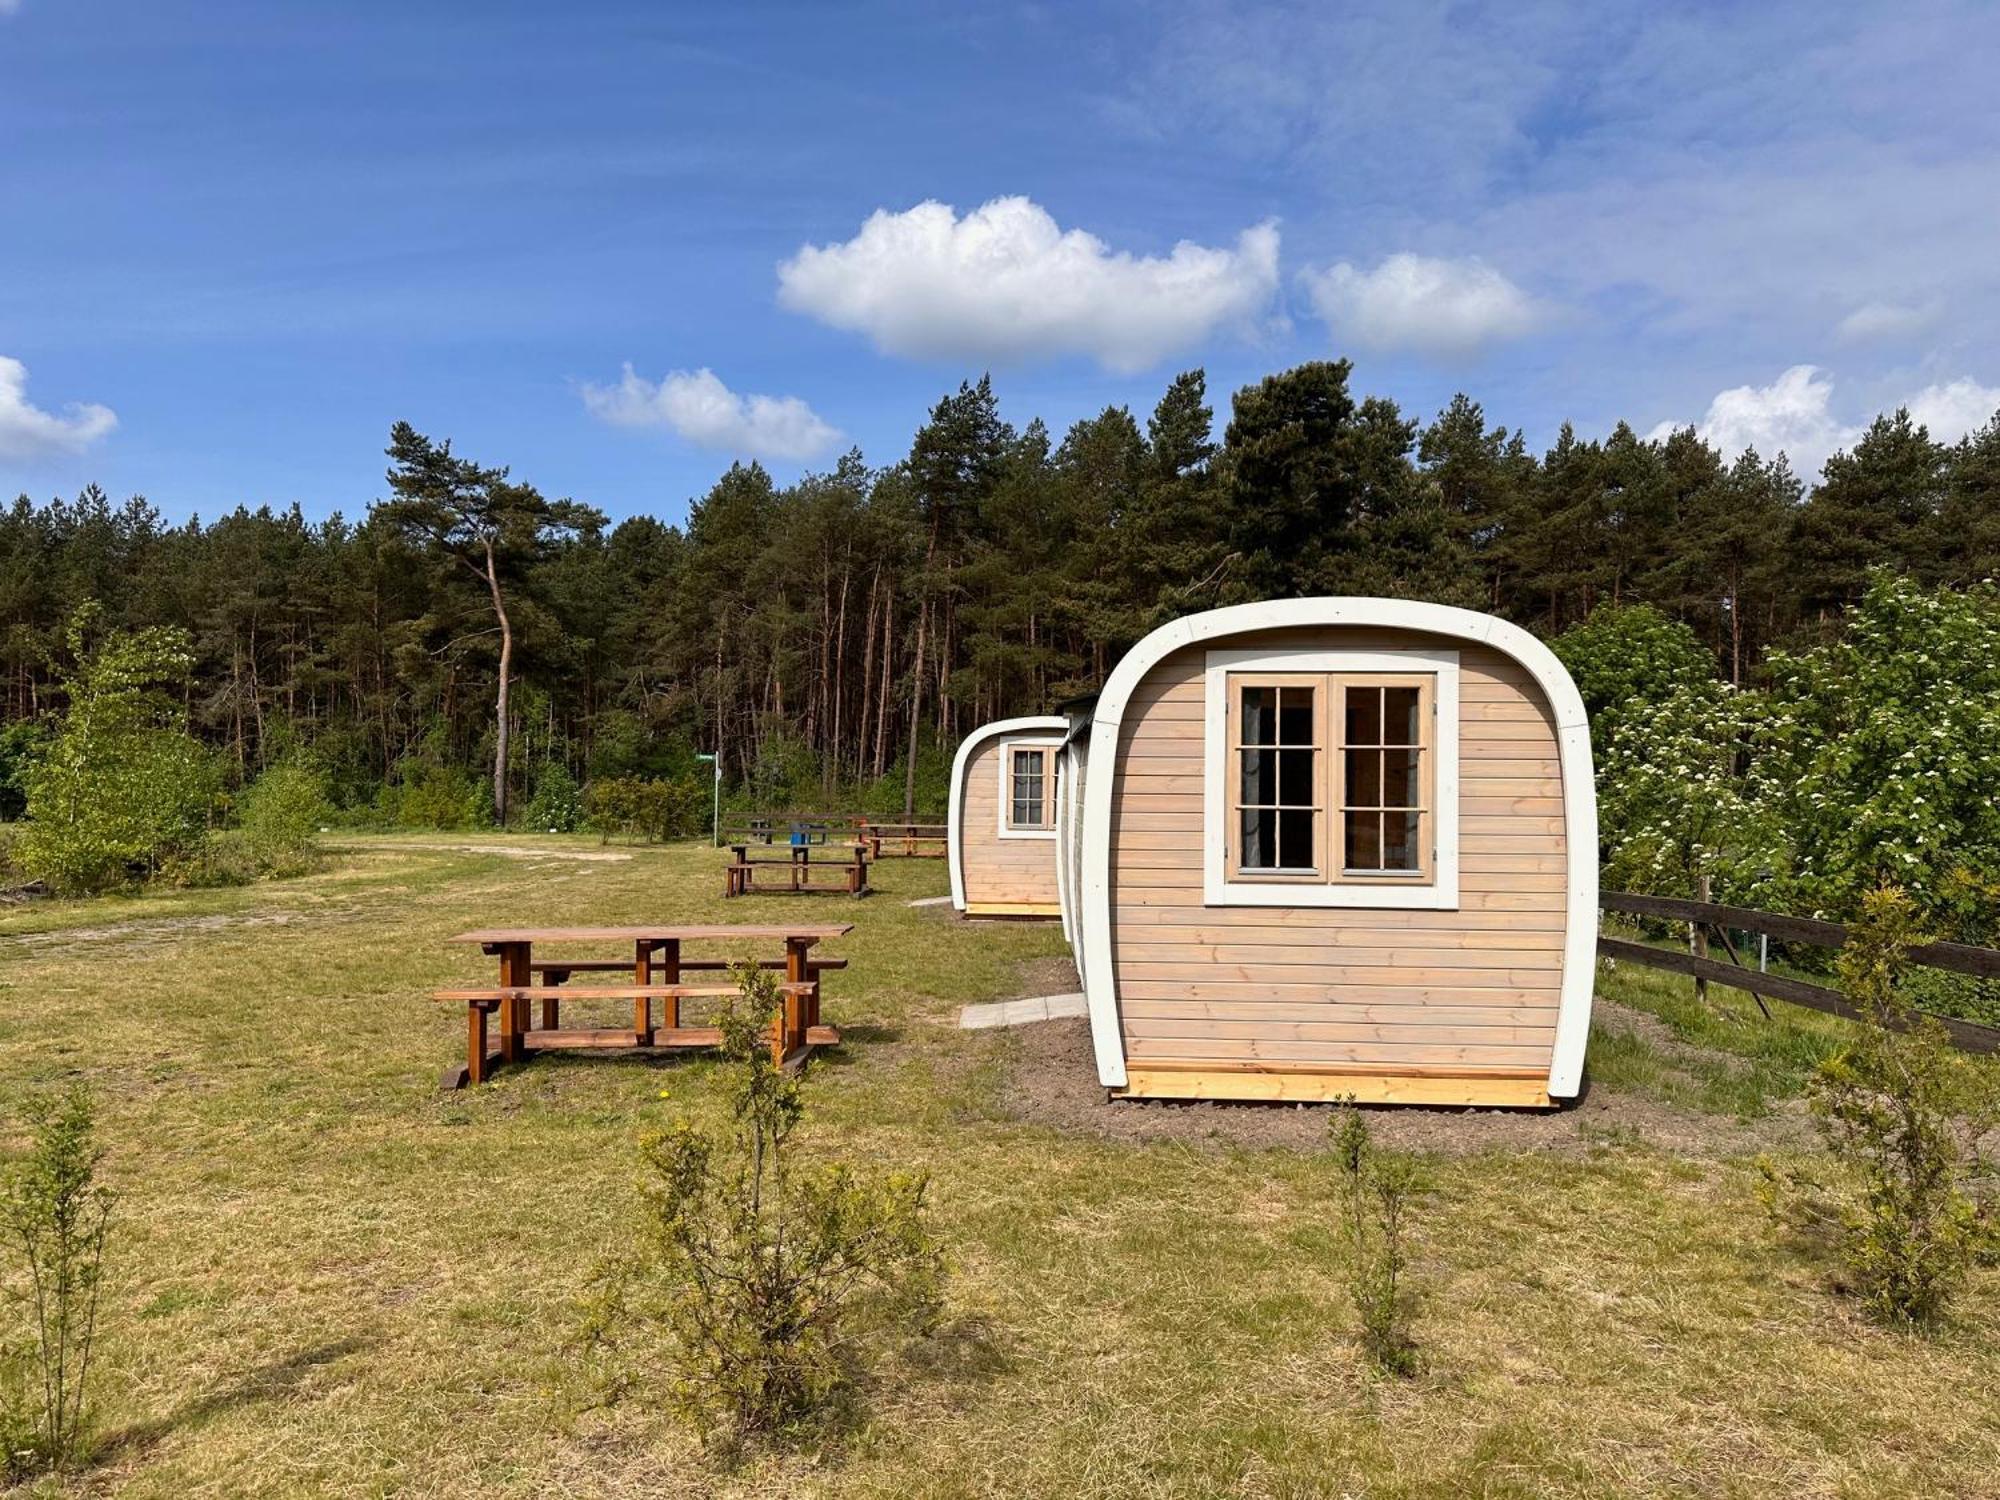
x=1579 y=795
x=1041 y=724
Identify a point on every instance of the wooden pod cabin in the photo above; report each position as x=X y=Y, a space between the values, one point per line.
x=1335 y=847
x=1005 y=785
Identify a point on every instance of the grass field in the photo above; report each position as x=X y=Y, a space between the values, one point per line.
x=330 y=1278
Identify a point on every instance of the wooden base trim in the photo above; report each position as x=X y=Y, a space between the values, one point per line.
x=1012 y=909
x=1489 y=1090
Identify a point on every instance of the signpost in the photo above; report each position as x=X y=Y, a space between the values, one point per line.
x=716 y=761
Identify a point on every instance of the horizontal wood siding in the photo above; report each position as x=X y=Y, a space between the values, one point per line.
x=1471 y=989
x=1001 y=872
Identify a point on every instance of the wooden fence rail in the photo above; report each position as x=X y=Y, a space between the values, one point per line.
x=1958 y=958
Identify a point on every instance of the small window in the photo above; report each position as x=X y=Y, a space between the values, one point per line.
x=1276 y=749
x=1385 y=750
x=1030 y=788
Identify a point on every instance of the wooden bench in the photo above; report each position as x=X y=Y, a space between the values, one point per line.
x=904 y=840
x=657 y=972
x=739 y=876
x=794 y=1017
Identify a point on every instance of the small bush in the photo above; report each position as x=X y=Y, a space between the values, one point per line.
x=1377 y=1191
x=557 y=806
x=770 y=1279
x=633 y=807
x=120 y=786
x=56 y=1216
x=282 y=812
x=1904 y=1113
x=433 y=796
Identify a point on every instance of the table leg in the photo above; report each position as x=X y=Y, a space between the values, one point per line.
x=642 y=1008
x=475 y=1043
x=670 y=973
x=515 y=973
x=791 y=1030
x=552 y=1004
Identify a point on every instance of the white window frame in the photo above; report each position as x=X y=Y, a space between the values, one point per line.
x=1218 y=889
x=1050 y=793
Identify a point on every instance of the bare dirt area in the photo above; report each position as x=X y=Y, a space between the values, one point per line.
x=516 y=851
x=1047 y=976
x=1053 y=1081
x=161 y=930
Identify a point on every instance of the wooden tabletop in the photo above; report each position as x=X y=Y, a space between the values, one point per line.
x=650 y=934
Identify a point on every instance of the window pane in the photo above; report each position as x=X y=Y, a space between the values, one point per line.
x=1363 y=841
x=1295 y=778
x=1260 y=839
x=1401 y=724
x=1260 y=778
x=1295 y=840
x=1402 y=778
x=1401 y=846
x=1364 y=779
x=1295 y=716
x=1364 y=716
x=1259 y=723
x=1025 y=792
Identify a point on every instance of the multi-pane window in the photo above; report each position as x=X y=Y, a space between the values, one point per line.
x=1278 y=748
x=1383 y=776
x=1330 y=776
x=1030 y=788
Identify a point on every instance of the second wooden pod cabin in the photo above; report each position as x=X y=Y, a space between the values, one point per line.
x=1001 y=841
x=1335 y=847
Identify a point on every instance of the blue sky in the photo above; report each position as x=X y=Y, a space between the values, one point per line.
x=238 y=240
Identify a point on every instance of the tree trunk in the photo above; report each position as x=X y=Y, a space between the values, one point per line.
x=500 y=706
x=916 y=711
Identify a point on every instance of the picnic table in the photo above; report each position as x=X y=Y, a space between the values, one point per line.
x=912 y=840
x=658 y=969
x=739 y=876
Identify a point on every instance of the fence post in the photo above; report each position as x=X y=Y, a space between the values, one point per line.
x=1698 y=937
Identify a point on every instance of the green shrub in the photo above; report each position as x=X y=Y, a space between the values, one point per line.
x=282 y=811
x=121 y=786
x=771 y=1279
x=883 y=798
x=1672 y=799
x=557 y=805
x=785 y=777
x=56 y=1217
x=1879 y=756
x=632 y=807
x=1905 y=1114
x=431 y=795
x=1377 y=1191
x=1626 y=661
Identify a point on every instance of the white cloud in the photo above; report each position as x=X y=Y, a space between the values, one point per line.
x=1794 y=415
x=1006 y=283
x=26 y=431
x=1436 y=307
x=1876 y=321
x=1955 y=408
x=700 y=408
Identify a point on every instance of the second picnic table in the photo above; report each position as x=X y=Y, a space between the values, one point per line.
x=659 y=971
